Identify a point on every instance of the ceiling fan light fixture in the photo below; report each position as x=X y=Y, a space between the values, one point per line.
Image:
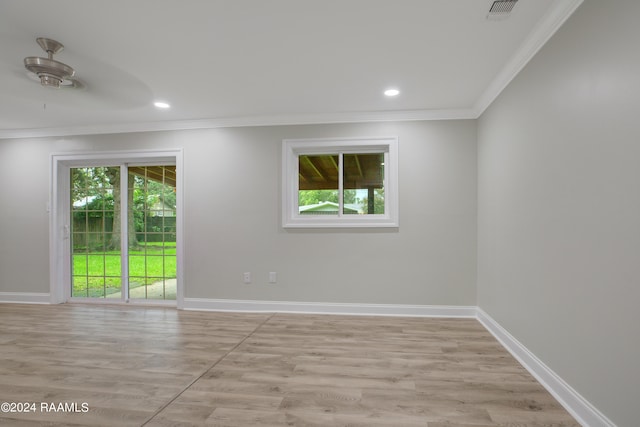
x=49 y=80
x=52 y=73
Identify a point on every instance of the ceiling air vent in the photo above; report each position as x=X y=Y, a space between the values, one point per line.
x=501 y=9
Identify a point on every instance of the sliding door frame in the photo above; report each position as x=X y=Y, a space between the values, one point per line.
x=60 y=214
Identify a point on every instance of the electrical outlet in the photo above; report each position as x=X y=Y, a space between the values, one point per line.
x=273 y=277
x=246 y=277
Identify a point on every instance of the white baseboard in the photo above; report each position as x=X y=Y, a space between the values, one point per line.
x=25 y=297
x=329 y=308
x=583 y=411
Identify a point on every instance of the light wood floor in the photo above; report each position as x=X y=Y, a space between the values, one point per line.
x=137 y=366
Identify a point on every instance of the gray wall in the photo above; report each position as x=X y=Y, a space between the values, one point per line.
x=232 y=211
x=559 y=206
x=24 y=222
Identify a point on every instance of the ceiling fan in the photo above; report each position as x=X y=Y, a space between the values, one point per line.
x=51 y=73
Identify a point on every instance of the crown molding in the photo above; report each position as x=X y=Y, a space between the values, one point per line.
x=544 y=30
x=267 y=120
x=550 y=23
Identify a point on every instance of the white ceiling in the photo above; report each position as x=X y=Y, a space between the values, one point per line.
x=252 y=62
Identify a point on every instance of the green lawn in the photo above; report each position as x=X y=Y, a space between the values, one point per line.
x=95 y=271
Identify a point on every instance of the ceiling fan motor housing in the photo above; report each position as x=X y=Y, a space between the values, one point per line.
x=51 y=72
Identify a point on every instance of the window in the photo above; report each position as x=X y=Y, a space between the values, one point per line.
x=349 y=182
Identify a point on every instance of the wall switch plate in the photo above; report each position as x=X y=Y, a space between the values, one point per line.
x=246 y=277
x=273 y=277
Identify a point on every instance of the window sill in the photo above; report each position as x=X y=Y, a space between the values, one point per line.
x=379 y=222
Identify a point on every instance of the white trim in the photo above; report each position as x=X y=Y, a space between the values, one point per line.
x=244 y=121
x=25 y=297
x=583 y=411
x=547 y=27
x=329 y=308
x=124 y=232
x=84 y=158
x=58 y=272
x=293 y=148
x=59 y=196
x=180 y=285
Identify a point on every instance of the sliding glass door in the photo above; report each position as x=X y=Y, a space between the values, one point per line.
x=123 y=232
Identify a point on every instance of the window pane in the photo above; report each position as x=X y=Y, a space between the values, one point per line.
x=363 y=184
x=318 y=185
x=152 y=235
x=95 y=248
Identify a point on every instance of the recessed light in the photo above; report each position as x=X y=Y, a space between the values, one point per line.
x=162 y=105
x=392 y=92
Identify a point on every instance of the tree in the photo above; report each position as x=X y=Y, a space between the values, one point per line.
x=113 y=175
x=98 y=195
x=313 y=197
x=92 y=201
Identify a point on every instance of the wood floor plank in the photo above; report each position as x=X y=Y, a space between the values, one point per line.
x=155 y=366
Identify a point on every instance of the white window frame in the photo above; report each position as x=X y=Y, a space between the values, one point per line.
x=293 y=148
